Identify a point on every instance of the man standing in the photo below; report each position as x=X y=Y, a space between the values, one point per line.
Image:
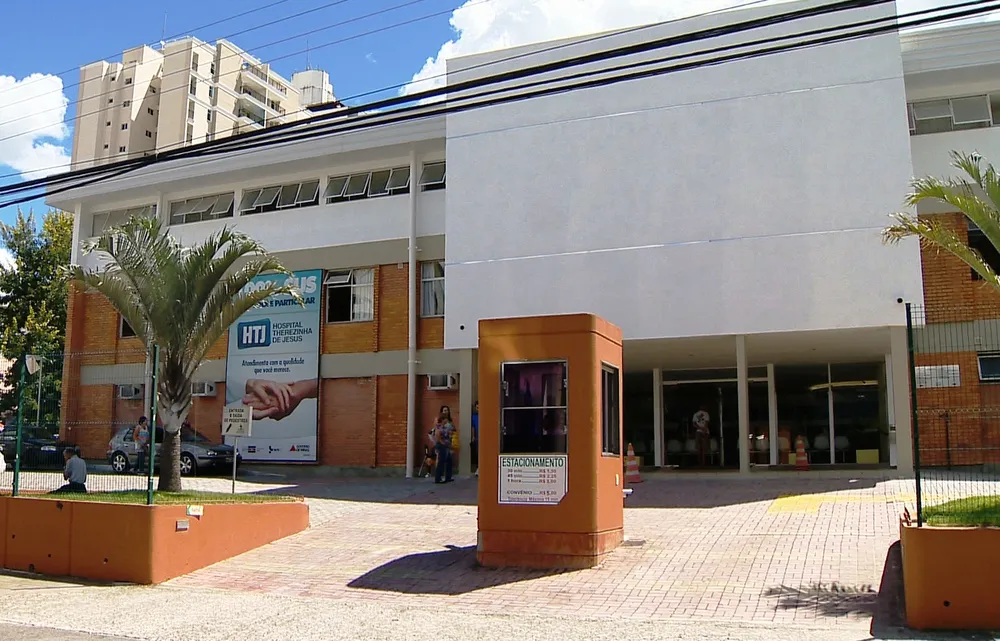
x=702 y=434
x=141 y=436
x=75 y=473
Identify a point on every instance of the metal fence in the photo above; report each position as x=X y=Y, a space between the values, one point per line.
x=85 y=402
x=955 y=394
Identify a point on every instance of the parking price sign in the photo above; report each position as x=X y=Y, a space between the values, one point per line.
x=533 y=479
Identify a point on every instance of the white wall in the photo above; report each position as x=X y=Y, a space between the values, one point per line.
x=740 y=198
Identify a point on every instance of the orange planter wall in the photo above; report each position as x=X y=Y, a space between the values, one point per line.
x=135 y=543
x=951 y=577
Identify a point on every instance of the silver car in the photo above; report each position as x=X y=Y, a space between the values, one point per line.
x=198 y=454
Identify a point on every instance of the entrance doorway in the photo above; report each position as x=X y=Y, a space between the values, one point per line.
x=685 y=403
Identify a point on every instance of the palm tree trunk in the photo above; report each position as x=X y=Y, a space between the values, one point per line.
x=170 y=463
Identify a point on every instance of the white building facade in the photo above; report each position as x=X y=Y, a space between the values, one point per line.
x=727 y=218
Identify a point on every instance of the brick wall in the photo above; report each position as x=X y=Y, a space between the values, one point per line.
x=391 y=421
x=950 y=293
x=347 y=422
x=206 y=414
x=94 y=426
x=393 y=309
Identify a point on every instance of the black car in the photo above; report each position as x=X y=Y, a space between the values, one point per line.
x=41 y=448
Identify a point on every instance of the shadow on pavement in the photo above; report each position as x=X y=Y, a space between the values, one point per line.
x=450 y=572
x=714 y=491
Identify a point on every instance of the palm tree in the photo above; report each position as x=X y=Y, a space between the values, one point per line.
x=181 y=300
x=978 y=198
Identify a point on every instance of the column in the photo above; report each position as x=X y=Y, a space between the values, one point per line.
x=658 y=417
x=743 y=399
x=772 y=414
x=900 y=399
x=466 y=399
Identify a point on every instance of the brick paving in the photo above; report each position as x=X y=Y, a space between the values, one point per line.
x=802 y=551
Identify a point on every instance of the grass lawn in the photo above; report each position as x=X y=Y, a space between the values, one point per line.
x=167 y=498
x=969 y=512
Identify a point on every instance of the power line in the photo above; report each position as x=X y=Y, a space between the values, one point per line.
x=555 y=47
x=401 y=116
x=176 y=35
x=232 y=35
x=275 y=59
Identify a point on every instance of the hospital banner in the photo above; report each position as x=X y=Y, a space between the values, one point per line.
x=273 y=367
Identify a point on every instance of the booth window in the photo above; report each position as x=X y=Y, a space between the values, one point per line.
x=611 y=442
x=533 y=408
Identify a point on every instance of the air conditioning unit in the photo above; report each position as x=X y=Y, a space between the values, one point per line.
x=130 y=392
x=202 y=389
x=442 y=381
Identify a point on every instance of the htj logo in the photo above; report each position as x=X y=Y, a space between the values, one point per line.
x=256 y=333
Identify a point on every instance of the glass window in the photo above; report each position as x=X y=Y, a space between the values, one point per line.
x=124 y=329
x=989 y=367
x=533 y=408
x=350 y=296
x=433 y=176
x=803 y=410
x=611 y=442
x=400 y=179
x=335 y=188
x=356 y=185
x=379 y=183
x=860 y=413
x=308 y=193
x=432 y=289
x=287 y=195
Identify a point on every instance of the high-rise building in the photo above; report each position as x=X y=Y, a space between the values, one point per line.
x=185 y=92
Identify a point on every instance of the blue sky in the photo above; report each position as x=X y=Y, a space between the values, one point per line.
x=39 y=61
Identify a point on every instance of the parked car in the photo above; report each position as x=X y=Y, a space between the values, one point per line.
x=41 y=448
x=198 y=454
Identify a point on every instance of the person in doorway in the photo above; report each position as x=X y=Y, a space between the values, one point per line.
x=444 y=430
x=141 y=436
x=75 y=473
x=702 y=433
x=474 y=445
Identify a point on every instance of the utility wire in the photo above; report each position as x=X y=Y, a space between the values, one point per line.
x=396 y=116
x=489 y=63
x=599 y=56
x=226 y=57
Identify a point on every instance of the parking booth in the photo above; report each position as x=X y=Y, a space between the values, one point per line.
x=550 y=476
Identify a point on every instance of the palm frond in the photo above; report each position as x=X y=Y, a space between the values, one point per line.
x=934 y=234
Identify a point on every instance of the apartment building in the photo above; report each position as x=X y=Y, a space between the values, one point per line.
x=185 y=92
x=727 y=218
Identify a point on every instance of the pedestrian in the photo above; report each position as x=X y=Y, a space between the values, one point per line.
x=141 y=436
x=474 y=445
x=702 y=422
x=75 y=473
x=444 y=430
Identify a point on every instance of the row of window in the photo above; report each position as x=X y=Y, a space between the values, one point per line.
x=350 y=296
x=953 y=114
x=106 y=220
x=372 y=184
x=350 y=293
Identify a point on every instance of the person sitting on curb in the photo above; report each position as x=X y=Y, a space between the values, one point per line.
x=75 y=473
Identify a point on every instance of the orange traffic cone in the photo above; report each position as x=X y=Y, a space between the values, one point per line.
x=801 y=458
x=632 y=467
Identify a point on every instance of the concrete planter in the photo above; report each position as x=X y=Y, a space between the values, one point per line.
x=135 y=543
x=951 y=577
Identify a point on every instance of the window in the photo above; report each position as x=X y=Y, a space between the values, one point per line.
x=211 y=92
x=982 y=244
x=190 y=134
x=124 y=329
x=432 y=176
x=954 y=114
x=106 y=145
x=190 y=110
x=122 y=149
x=128 y=81
x=106 y=220
x=111 y=101
x=350 y=295
x=432 y=289
x=124 y=126
x=291 y=196
x=209 y=114
x=989 y=367
x=107 y=124
x=533 y=408
x=211 y=69
x=193 y=88
x=611 y=442
x=369 y=184
x=152 y=89
x=194 y=62
x=149 y=134
x=194 y=210
x=113 y=78
x=149 y=110
x=127 y=103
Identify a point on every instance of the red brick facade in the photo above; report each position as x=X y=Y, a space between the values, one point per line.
x=362 y=421
x=957 y=425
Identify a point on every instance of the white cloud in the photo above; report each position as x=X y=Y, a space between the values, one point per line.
x=500 y=24
x=32 y=114
x=7 y=259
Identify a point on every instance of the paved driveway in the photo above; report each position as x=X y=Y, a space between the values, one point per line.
x=808 y=551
